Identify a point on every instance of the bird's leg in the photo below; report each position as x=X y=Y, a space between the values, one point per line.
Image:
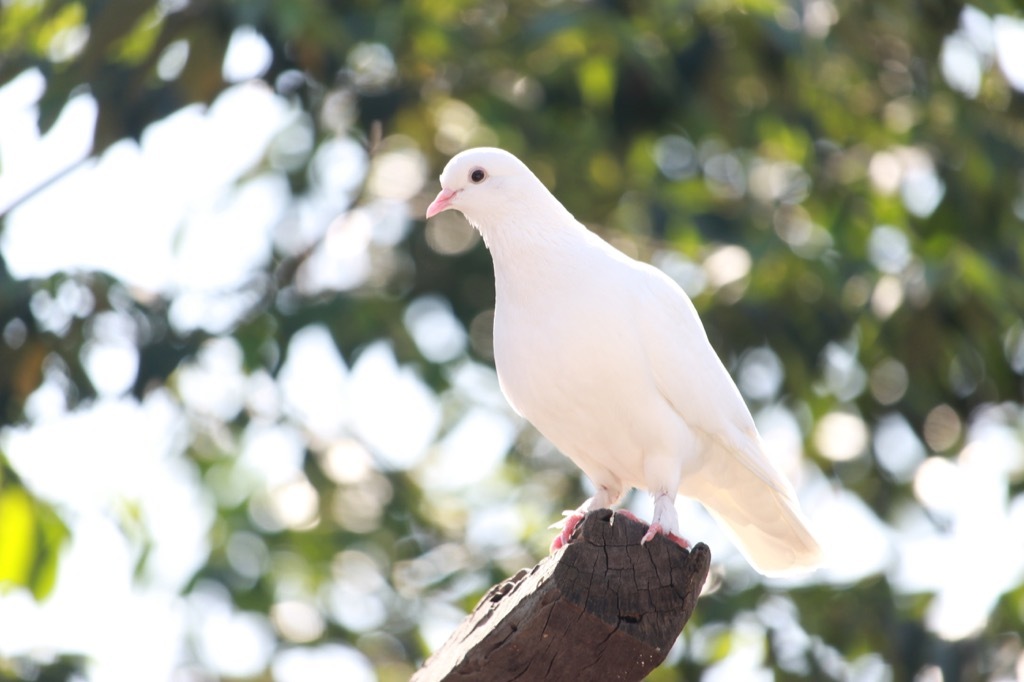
x=604 y=498
x=666 y=521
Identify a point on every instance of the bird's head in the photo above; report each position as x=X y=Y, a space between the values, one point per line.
x=485 y=183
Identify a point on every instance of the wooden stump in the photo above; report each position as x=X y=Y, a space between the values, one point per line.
x=604 y=607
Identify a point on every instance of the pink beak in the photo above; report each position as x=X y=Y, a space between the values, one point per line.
x=442 y=203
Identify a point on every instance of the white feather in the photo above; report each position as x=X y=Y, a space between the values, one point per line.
x=607 y=357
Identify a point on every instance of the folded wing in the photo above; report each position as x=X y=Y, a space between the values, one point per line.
x=737 y=482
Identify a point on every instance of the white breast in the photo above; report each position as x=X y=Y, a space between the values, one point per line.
x=571 y=361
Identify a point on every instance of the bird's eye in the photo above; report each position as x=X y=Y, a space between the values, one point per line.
x=478 y=175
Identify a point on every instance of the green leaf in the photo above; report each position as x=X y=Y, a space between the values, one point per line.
x=17 y=537
x=135 y=47
x=596 y=78
x=31 y=536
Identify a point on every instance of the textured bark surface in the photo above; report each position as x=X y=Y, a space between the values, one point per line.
x=604 y=607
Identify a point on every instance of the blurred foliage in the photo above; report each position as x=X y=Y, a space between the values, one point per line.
x=31 y=535
x=792 y=130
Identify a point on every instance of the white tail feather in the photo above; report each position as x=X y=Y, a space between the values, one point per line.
x=763 y=521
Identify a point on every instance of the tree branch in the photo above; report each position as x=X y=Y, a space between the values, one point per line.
x=603 y=608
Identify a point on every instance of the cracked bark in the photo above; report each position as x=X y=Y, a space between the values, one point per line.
x=603 y=608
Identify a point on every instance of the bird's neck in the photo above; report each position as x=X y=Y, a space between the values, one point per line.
x=533 y=249
x=518 y=232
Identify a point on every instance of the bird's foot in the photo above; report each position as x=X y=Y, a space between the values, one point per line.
x=568 y=524
x=656 y=529
x=665 y=521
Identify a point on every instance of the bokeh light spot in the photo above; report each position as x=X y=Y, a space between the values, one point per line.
x=937 y=484
x=841 y=436
x=248 y=55
x=297 y=621
x=727 y=264
x=942 y=428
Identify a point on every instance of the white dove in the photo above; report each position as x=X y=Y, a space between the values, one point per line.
x=607 y=358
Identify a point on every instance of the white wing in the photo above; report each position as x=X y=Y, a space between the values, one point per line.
x=737 y=482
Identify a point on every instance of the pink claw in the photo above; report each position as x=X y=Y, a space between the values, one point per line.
x=562 y=539
x=655 y=528
x=630 y=515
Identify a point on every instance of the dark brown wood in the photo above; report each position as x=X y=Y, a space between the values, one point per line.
x=604 y=607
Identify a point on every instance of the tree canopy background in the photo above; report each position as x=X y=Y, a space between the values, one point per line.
x=251 y=426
